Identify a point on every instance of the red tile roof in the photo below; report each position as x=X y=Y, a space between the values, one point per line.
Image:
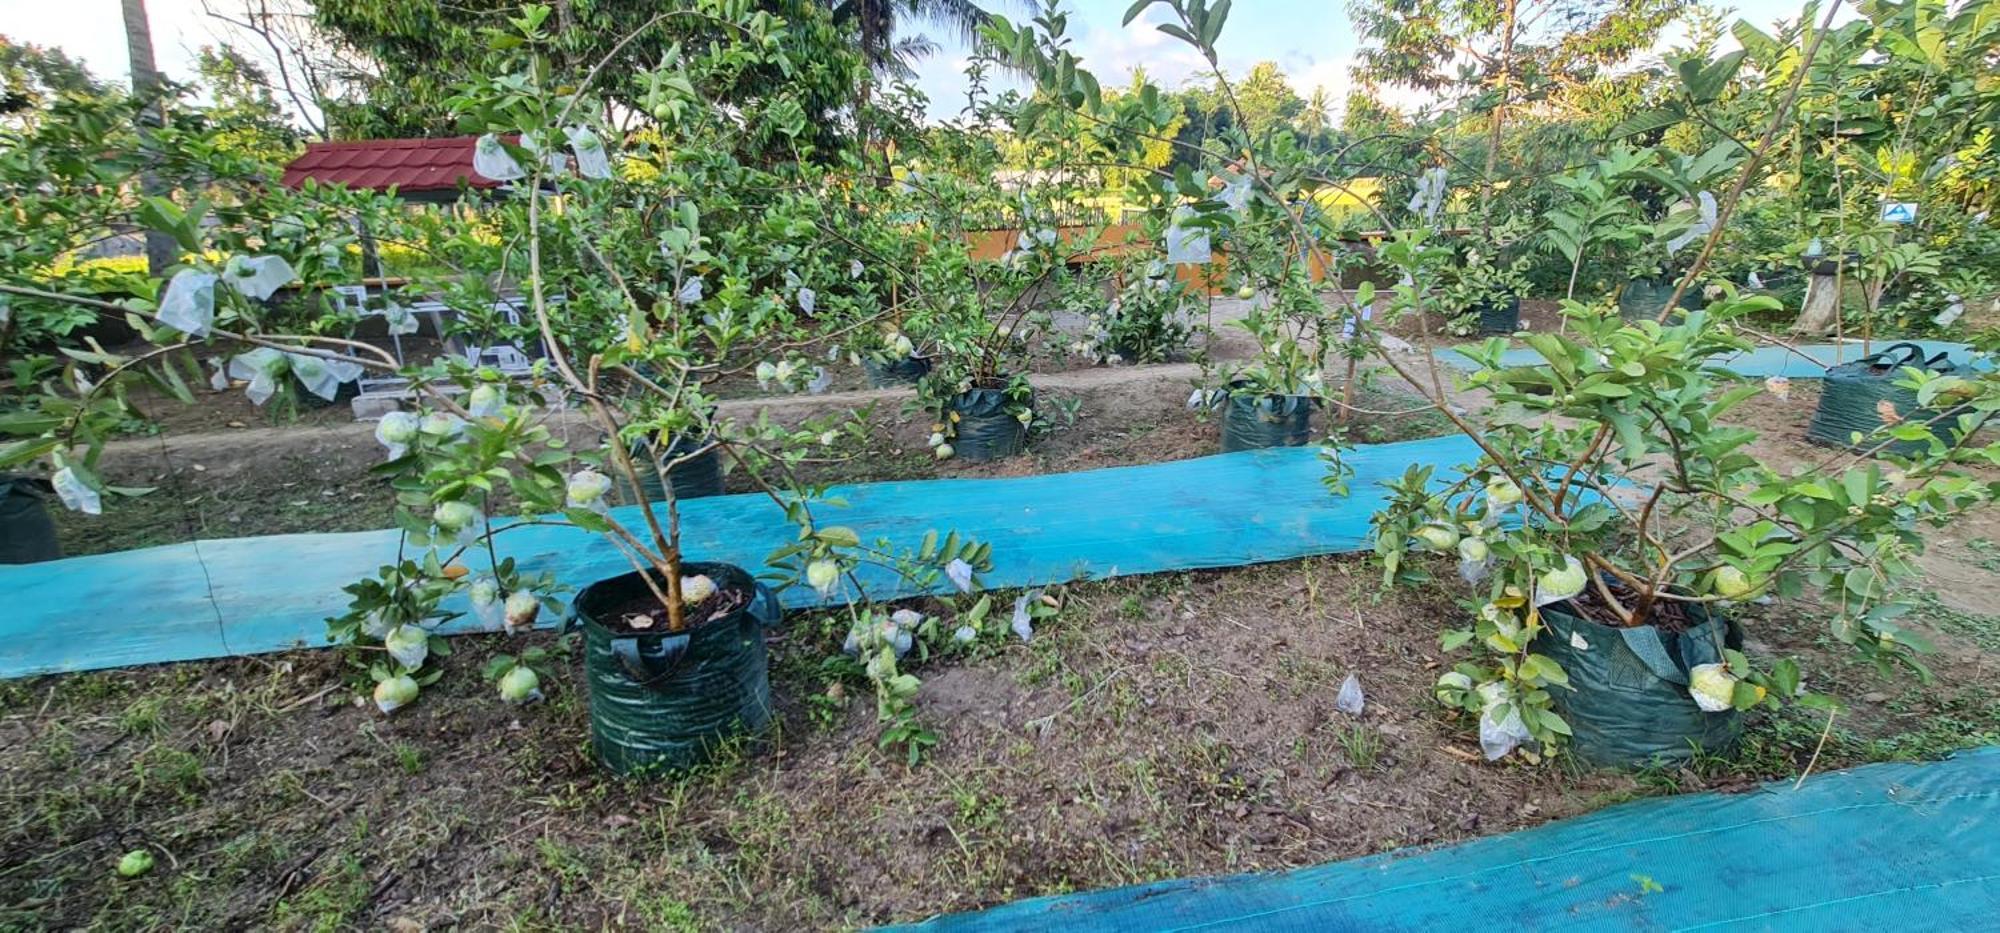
x=407 y=165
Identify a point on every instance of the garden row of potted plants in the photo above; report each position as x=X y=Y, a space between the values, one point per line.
x=1609 y=521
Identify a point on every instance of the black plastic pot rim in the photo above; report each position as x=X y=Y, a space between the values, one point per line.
x=580 y=616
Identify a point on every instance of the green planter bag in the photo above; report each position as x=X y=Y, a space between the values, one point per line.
x=1498 y=317
x=1630 y=704
x=693 y=479
x=1642 y=299
x=904 y=372
x=1851 y=399
x=27 y=534
x=663 y=701
x=1256 y=422
x=986 y=430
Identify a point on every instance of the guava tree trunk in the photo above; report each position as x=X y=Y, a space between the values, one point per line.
x=1821 y=312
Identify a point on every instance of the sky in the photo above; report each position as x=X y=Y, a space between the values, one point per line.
x=1311 y=40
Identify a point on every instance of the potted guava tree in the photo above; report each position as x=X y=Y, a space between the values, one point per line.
x=1615 y=517
x=979 y=317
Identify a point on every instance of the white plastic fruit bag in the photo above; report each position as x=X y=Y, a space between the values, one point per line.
x=492 y=160
x=258 y=277
x=1187 y=244
x=189 y=303
x=402 y=321
x=591 y=160
x=321 y=376
x=261 y=367
x=75 y=494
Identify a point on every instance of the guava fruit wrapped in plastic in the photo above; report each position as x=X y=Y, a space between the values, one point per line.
x=492 y=160
x=261 y=367
x=189 y=303
x=258 y=277
x=76 y=495
x=321 y=376
x=591 y=160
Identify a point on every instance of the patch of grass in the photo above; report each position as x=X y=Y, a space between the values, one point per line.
x=1362 y=745
x=170 y=768
x=1988 y=553
x=142 y=718
x=331 y=902
x=1982 y=630
x=409 y=757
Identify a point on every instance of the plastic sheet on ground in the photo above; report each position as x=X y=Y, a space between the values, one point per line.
x=234 y=596
x=1769 y=361
x=1902 y=847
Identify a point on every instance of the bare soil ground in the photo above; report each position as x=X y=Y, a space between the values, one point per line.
x=1162 y=726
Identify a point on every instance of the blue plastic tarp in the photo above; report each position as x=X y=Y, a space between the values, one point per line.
x=1808 y=361
x=218 y=598
x=1905 y=847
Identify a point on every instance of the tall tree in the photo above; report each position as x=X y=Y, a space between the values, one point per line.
x=160 y=252
x=421 y=51
x=882 y=28
x=1317 y=117
x=1267 y=99
x=1488 y=55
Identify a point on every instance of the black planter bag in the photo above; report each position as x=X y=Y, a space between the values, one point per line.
x=663 y=702
x=986 y=430
x=1630 y=705
x=903 y=372
x=1499 y=317
x=27 y=533
x=1642 y=299
x=1852 y=391
x=1255 y=422
x=692 y=479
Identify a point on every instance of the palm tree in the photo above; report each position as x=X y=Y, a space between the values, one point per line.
x=145 y=88
x=878 y=22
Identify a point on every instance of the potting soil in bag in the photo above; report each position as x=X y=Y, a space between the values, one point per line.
x=1630 y=703
x=986 y=429
x=1256 y=422
x=1855 y=396
x=661 y=701
x=27 y=533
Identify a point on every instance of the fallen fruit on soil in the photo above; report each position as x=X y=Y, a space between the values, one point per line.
x=135 y=863
x=395 y=693
x=520 y=685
